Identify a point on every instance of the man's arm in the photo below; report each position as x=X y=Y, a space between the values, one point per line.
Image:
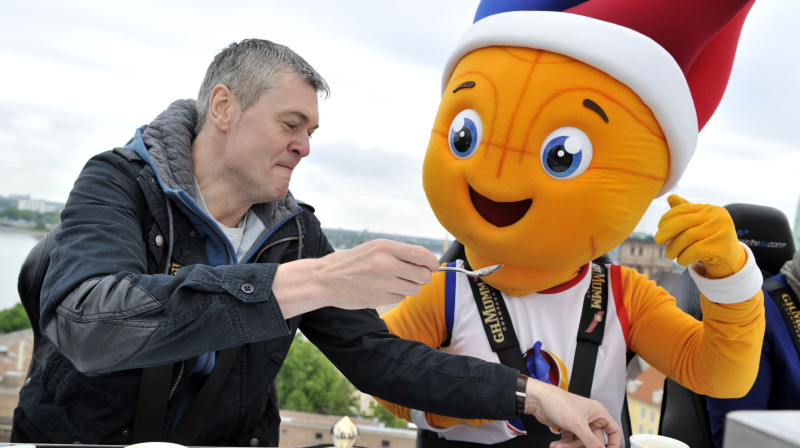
x=578 y=418
x=379 y=272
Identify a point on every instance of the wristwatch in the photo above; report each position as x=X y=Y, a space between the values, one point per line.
x=521 y=394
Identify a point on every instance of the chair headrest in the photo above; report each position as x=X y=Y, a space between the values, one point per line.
x=766 y=231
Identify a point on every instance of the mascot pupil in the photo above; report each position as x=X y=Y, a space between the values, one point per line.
x=559 y=123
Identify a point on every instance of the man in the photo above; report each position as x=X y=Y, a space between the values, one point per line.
x=184 y=267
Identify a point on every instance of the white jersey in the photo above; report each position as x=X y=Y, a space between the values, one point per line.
x=551 y=317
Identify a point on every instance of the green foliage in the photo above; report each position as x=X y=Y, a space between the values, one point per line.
x=308 y=382
x=13 y=319
x=384 y=416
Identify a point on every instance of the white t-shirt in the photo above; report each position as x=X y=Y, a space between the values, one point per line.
x=234 y=234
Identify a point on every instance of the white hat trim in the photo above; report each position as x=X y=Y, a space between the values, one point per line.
x=629 y=56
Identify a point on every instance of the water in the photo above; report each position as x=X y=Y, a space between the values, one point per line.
x=14 y=247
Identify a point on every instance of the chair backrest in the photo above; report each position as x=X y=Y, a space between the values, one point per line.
x=766 y=231
x=29 y=286
x=684 y=416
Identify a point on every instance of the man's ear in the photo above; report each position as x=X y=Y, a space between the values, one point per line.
x=222 y=108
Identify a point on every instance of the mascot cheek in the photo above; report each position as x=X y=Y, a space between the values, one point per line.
x=444 y=183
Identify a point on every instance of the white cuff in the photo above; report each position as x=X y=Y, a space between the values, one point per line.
x=736 y=288
x=418 y=418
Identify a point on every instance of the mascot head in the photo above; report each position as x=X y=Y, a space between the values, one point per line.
x=561 y=121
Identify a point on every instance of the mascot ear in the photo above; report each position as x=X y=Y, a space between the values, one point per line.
x=676 y=55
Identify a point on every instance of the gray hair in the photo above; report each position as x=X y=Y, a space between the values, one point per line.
x=249 y=68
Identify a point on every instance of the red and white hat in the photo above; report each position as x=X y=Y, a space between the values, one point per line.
x=675 y=54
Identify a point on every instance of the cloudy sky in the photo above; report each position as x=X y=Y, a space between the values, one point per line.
x=79 y=76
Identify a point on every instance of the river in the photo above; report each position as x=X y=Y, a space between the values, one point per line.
x=14 y=247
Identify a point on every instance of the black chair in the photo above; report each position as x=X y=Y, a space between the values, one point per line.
x=29 y=286
x=766 y=231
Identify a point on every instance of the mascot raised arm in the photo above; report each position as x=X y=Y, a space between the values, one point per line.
x=559 y=123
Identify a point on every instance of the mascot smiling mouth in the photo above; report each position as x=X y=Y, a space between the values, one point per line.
x=500 y=214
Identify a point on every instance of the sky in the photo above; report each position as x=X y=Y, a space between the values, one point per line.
x=78 y=77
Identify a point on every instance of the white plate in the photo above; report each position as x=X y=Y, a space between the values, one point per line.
x=156 y=445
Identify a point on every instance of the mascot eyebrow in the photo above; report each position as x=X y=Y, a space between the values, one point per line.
x=471 y=84
x=591 y=105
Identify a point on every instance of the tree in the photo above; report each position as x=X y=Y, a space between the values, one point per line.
x=384 y=416
x=308 y=382
x=13 y=319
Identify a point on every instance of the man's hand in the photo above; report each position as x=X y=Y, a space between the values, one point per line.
x=583 y=422
x=701 y=233
x=379 y=272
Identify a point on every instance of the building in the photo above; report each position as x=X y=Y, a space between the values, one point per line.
x=644 y=401
x=301 y=428
x=39 y=206
x=641 y=252
x=15 y=355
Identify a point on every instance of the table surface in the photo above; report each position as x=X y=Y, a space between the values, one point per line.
x=773 y=429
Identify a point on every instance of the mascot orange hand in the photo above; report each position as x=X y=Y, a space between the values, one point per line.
x=701 y=233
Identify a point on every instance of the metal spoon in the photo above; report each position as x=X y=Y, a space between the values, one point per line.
x=483 y=272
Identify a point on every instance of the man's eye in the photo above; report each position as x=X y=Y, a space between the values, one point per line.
x=291 y=126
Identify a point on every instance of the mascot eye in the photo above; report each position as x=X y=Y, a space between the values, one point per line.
x=566 y=153
x=466 y=132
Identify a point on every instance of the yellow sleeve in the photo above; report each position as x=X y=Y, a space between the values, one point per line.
x=422 y=318
x=718 y=357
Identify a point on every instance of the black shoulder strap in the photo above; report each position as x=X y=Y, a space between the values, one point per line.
x=151 y=404
x=789 y=305
x=503 y=340
x=154 y=393
x=590 y=332
x=190 y=425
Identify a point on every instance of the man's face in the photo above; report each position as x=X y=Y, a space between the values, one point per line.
x=266 y=141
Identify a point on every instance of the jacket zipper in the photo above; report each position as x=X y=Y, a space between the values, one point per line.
x=278 y=241
x=177 y=381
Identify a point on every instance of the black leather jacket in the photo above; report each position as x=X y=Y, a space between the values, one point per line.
x=110 y=310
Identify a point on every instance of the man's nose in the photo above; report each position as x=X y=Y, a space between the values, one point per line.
x=302 y=148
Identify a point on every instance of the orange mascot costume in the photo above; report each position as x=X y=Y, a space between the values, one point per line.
x=560 y=122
